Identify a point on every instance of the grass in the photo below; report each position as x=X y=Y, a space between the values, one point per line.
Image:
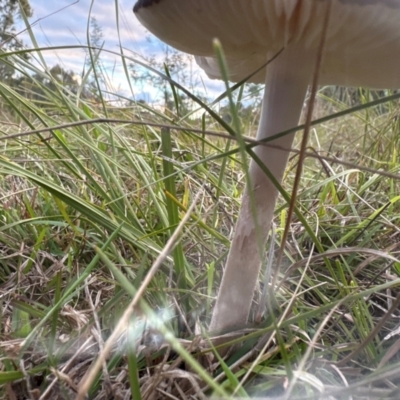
x=88 y=204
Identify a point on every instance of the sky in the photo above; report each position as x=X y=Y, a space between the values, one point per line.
x=65 y=22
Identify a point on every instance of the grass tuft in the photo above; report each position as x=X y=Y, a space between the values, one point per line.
x=90 y=194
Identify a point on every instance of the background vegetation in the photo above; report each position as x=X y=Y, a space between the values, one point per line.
x=91 y=191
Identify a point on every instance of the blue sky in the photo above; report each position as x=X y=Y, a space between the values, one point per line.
x=64 y=22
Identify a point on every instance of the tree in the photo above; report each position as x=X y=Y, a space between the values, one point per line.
x=9 y=11
x=96 y=41
x=40 y=86
x=178 y=66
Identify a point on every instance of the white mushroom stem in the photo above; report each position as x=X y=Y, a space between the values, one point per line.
x=287 y=80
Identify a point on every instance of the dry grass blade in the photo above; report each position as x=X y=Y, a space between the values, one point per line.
x=373 y=333
x=338 y=252
x=81 y=168
x=124 y=320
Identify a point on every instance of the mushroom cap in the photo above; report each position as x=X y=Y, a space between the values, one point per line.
x=362 y=45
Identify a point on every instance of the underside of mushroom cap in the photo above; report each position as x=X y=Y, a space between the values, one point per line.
x=362 y=44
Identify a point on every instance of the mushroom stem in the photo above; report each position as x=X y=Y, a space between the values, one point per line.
x=287 y=80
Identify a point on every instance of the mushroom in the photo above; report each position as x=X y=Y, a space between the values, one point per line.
x=362 y=48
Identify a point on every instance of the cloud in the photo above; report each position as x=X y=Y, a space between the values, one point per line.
x=65 y=23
